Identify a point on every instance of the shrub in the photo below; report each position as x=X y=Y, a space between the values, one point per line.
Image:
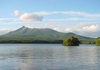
x=98 y=41
x=71 y=41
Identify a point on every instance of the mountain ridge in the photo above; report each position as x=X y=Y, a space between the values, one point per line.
x=25 y=32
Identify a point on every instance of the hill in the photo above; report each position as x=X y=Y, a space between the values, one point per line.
x=25 y=33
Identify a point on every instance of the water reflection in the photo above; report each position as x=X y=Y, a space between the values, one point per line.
x=49 y=57
x=83 y=58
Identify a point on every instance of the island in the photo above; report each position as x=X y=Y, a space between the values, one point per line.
x=71 y=41
x=98 y=41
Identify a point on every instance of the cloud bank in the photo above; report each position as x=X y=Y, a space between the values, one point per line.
x=86 y=29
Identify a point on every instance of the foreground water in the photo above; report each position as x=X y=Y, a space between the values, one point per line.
x=49 y=57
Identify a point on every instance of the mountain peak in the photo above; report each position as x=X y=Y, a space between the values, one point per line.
x=23 y=27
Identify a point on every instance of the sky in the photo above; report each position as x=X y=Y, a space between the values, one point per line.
x=78 y=16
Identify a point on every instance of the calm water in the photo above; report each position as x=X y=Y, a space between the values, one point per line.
x=49 y=57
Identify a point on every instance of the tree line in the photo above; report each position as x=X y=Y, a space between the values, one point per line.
x=45 y=40
x=30 y=40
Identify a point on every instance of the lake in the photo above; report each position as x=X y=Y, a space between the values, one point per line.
x=49 y=57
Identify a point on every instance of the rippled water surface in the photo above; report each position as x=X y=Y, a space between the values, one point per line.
x=49 y=57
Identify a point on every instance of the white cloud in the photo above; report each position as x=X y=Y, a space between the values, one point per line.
x=42 y=13
x=69 y=19
x=16 y=13
x=72 y=19
x=81 y=14
x=86 y=29
x=30 y=17
x=76 y=13
x=92 y=28
x=61 y=19
x=58 y=29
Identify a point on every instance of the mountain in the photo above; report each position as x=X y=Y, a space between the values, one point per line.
x=46 y=33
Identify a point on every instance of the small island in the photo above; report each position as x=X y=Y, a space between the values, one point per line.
x=71 y=41
x=98 y=41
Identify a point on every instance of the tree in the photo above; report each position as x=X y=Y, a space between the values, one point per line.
x=71 y=41
x=98 y=41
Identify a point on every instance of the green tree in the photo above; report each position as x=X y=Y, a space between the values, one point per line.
x=98 y=41
x=71 y=41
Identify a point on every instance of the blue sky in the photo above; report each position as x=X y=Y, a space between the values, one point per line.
x=79 y=16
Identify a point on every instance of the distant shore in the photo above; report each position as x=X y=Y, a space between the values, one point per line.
x=8 y=41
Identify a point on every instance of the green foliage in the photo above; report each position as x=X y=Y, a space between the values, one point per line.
x=71 y=41
x=87 y=41
x=30 y=40
x=98 y=41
